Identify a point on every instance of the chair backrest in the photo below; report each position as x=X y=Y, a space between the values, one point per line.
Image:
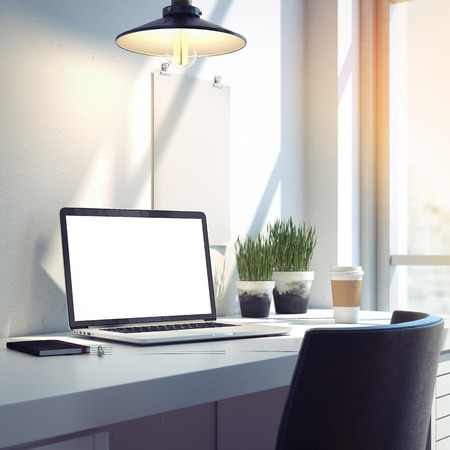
x=364 y=387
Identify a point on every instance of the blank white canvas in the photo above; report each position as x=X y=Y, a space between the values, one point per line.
x=191 y=150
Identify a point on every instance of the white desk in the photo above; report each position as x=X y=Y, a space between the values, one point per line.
x=43 y=398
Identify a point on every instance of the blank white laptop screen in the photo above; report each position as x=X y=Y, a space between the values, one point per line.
x=125 y=267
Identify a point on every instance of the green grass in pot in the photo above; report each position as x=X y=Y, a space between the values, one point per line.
x=254 y=259
x=292 y=245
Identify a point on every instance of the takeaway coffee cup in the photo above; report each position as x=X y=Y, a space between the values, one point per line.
x=346 y=283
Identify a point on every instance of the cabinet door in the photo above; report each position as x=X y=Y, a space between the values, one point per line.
x=250 y=421
x=97 y=441
x=440 y=414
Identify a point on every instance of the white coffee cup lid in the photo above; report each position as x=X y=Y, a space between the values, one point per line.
x=346 y=269
x=346 y=273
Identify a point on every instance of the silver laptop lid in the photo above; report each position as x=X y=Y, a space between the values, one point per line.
x=136 y=266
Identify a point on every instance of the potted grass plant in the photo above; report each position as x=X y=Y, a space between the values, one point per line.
x=293 y=246
x=254 y=262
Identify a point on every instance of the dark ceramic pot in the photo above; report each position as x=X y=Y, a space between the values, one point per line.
x=292 y=291
x=255 y=297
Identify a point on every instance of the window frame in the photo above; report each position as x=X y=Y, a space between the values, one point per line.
x=384 y=251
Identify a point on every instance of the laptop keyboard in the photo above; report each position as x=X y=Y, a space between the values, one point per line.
x=170 y=327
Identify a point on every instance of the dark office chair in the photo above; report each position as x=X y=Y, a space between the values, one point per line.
x=364 y=388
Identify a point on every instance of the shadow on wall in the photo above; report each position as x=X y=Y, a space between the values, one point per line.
x=47 y=309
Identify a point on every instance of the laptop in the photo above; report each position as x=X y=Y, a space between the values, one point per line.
x=143 y=277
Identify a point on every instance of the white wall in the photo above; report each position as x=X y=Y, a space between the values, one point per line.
x=75 y=129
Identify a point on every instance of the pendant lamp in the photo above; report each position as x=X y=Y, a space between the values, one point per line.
x=181 y=36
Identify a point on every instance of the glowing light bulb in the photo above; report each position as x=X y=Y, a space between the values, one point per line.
x=180 y=55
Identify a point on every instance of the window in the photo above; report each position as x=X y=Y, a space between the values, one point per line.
x=419 y=155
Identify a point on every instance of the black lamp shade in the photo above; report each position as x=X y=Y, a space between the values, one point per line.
x=154 y=38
